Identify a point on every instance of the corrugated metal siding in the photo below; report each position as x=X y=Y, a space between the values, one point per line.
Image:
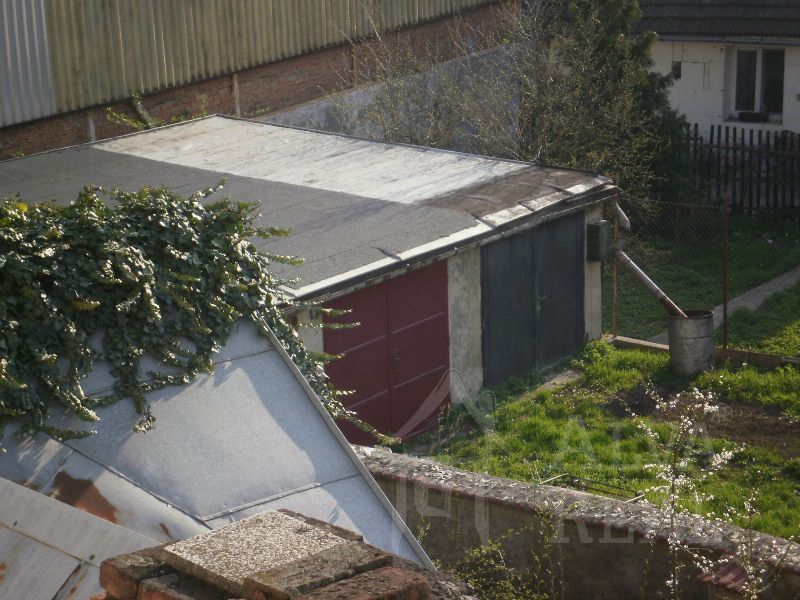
x=25 y=83
x=102 y=50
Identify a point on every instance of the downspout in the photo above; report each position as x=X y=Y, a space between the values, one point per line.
x=625 y=261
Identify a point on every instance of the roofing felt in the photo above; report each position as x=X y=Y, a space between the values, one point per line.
x=350 y=204
x=722 y=18
x=247 y=438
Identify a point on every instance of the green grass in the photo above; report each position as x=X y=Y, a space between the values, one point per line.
x=774 y=327
x=748 y=385
x=687 y=265
x=541 y=434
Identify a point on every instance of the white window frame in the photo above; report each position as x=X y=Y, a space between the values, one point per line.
x=733 y=73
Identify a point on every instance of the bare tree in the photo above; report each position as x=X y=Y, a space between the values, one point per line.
x=545 y=84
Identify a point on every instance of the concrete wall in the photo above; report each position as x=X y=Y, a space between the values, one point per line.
x=600 y=548
x=464 y=299
x=593 y=286
x=704 y=91
x=310 y=330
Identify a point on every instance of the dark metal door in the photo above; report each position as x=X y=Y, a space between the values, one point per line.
x=532 y=286
x=559 y=262
x=397 y=360
x=507 y=308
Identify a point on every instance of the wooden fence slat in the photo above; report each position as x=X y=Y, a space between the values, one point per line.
x=760 y=171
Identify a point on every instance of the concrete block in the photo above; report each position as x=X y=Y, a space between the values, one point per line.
x=343 y=533
x=226 y=556
x=331 y=565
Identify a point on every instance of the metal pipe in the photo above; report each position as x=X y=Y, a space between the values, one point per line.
x=648 y=283
x=622 y=218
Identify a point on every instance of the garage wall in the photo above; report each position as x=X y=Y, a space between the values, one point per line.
x=310 y=331
x=464 y=298
x=593 y=290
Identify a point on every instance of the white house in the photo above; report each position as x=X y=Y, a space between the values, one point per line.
x=735 y=62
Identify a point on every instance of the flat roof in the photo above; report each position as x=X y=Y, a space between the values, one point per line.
x=353 y=206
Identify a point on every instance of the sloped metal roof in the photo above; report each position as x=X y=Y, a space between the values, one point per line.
x=354 y=206
x=249 y=437
x=49 y=549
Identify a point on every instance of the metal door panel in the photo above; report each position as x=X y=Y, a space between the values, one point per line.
x=417 y=404
x=368 y=308
x=364 y=369
x=419 y=349
x=399 y=353
x=508 y=308
x=559 y=284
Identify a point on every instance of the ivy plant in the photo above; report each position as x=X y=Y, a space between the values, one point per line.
x=115 y=276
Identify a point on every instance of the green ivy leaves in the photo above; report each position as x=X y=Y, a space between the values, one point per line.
x=114 y=276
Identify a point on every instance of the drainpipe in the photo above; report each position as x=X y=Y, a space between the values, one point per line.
x=625 y=261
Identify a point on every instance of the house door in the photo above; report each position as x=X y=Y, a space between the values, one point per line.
x=396 y=361
x=532 y=288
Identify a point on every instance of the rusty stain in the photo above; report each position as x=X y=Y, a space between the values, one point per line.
x=3 y=569
x=166 y=530
x=83 y=494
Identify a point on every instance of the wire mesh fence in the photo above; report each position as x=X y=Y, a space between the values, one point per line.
x=681 y=246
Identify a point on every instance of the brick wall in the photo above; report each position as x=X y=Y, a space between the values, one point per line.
x=260 y=89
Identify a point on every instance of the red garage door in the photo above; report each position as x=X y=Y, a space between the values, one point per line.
x=397 y=360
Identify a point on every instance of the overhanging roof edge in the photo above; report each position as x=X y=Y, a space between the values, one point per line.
x=482 y=233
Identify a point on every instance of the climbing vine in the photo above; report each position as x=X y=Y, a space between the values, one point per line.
x=116 y=276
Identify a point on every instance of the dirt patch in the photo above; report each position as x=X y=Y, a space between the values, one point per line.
x=757 y=426
x=740 y=423
x=636 y=401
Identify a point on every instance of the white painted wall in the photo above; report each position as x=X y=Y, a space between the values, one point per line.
x=703 y=93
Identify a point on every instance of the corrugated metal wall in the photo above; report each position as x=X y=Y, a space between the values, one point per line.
x=61 y=55
x=25 y=76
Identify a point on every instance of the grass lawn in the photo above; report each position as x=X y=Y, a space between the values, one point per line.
x=583 y=430
x=775 y=327
x=688 y=267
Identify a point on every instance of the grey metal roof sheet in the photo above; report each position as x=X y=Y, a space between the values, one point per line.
x=350 y=203
x=49 y=549
x=249 y=437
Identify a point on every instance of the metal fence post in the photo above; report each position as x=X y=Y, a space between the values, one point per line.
x=615 y=284
x=725 y=205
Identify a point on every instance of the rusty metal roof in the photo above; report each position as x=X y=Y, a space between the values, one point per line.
x=49 y=549
x=249 y=437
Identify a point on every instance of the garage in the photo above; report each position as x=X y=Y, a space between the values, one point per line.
x=532 y=298
x=396 y=361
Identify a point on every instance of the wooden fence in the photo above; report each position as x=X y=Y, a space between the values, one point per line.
x=760 y=170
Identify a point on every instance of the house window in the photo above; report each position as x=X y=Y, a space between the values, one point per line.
x=758 y=85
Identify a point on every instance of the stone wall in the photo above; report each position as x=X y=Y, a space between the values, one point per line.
x=603 y=548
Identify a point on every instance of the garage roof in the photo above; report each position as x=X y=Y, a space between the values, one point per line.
x=354 y=206
x=249 y=437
